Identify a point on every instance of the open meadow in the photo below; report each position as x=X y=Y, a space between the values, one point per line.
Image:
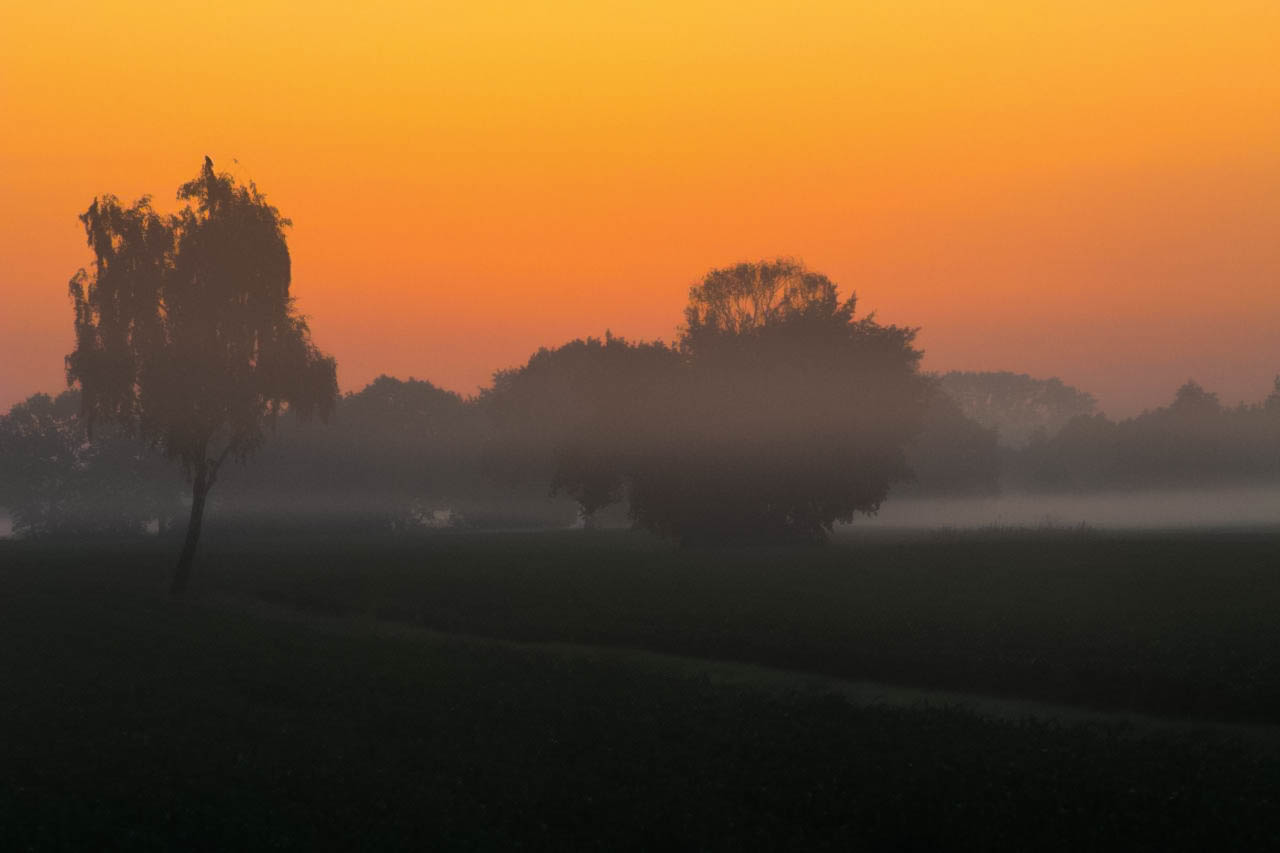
x=605 y=690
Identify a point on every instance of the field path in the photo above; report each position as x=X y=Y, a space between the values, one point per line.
x=757 y=677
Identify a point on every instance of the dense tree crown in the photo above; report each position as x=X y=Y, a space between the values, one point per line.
x=570 y=416
x=791 y=414
x=748 y=297
x=185 y=329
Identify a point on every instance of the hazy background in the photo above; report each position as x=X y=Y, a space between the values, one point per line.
x=1216 y=507
x=1088 y=190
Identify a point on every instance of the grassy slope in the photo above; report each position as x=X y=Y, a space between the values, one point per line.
x=150 y=723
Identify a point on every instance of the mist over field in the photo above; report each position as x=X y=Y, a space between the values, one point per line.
x=612 y=434
x=1223 y=507
x=1148 y=509
x=1239 y=507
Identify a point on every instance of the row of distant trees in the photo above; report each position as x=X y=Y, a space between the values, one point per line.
x=560 y=438
x=1193 y=441
x=777 y=411
x=775 y=414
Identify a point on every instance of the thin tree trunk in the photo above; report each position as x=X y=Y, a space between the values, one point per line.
x=199 y=491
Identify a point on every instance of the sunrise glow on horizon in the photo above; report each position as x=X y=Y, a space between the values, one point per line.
x=1089 y=190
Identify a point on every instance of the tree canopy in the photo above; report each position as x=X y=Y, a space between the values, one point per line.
x=777 y=413
x=570 y=415
x=743 y=299
x=791 y=413
x=186 y=333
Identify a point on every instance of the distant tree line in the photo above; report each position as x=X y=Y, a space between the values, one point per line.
x=1195 y=441
x=54 y=481
x=777 y=411
x=775 y=414
x=559 y=440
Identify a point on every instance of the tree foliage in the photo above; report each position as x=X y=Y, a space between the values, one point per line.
x=952 y=454
x=743 y=300
x=791 y=413
x=777 y=413
x=570 y=416
x=186 y=333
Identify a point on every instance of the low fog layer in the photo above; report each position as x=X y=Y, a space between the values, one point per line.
x=1227 y=507
x=1206 y=508
x=1245 y=506
x=1220 y=507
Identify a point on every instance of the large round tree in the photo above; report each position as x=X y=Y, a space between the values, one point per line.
x=186 y=332
x=790 y=414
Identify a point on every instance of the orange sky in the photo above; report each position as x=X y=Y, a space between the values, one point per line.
x=1084 y=189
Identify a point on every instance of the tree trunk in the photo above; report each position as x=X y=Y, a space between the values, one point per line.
x=199 y=491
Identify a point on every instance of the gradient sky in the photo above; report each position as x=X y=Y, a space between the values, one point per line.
x=1083 y=189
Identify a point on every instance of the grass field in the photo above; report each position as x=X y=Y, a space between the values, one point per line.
x=1177 y=624
x=248 y=715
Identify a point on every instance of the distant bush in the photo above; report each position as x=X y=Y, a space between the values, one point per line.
x=54 y=481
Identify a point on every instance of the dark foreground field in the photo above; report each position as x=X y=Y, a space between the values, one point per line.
x=248 y=715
